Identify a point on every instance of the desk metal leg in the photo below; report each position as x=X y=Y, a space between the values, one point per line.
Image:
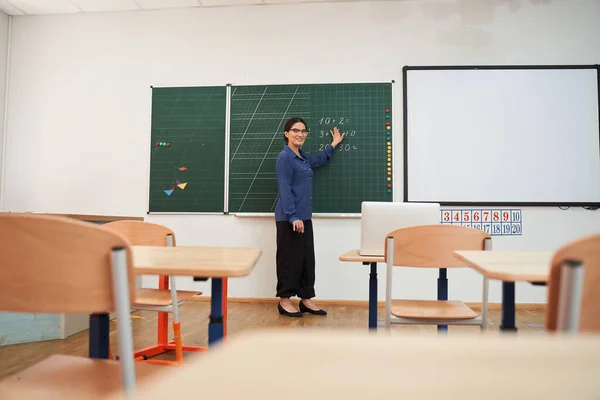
x=508 y=307
x=442 y=286
x=215 y=325
x=99 y=334
x=373 y=296
x=224 y=305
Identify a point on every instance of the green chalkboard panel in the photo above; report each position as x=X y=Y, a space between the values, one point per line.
x=360 y=169
x=187 y=162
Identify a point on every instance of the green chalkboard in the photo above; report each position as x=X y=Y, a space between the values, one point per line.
x=187 y=161
x=244 y=125
x=358 y=170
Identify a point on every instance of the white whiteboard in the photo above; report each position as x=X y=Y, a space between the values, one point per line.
x=526 y=136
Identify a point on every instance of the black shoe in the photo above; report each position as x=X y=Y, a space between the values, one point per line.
x=304 y=309
x=282 y=311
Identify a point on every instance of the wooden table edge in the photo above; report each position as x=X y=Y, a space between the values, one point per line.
x=505 y=277
x=353 y=256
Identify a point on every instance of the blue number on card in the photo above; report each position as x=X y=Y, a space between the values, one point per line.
x=487 y=228
x=477 y=226
x=516 y=215
x=516 y=229
x=506 y=229
x=497 y=229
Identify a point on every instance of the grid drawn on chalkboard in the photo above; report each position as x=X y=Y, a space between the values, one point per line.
x=258 y=115
x=357 y=172
x=187 y=131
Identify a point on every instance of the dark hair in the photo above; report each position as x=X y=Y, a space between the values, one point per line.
x=289 y=123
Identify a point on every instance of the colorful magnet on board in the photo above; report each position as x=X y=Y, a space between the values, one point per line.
x=168 y=144
x=387 y=110
x=387 y=123
x=388 y=128
x=389 y=186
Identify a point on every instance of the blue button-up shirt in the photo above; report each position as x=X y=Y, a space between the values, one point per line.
x=294 y=180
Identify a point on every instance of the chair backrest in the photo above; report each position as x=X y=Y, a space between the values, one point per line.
x=433 y=246
x=52 y=264
x=586 y=252
x=142 y=233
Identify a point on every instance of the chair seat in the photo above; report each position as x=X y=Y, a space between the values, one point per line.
x=161 y=297
x=432 y=309
x=71 y=377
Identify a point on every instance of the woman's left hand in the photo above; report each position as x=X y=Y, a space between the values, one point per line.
x=336 y=137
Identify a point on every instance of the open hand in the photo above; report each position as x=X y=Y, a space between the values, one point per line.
x=298 y=226
x=336 y=136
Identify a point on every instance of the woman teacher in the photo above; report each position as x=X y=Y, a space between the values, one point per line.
x=295 y=255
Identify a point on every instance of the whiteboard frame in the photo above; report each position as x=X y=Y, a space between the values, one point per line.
x=407 y=68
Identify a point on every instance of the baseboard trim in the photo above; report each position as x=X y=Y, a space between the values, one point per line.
x=365 y=303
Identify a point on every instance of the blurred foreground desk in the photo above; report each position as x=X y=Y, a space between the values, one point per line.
x=26 y=327
x=339 y=364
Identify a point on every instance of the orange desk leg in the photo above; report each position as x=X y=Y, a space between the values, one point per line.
x=163 y=345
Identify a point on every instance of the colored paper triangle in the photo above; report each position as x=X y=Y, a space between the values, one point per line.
x=182 y=185
x=168 y=191
x=182 y=168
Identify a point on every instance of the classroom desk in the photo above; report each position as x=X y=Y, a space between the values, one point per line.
x=35 y=328
x=342 y=364
x=353 y=256
x=509 y=267
x=212 y=262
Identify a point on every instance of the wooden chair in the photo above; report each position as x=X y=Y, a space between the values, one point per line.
x=433 y=246
x=54 y=264
x=161 y=300
x=574 y=287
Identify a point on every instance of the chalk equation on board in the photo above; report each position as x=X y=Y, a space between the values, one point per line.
x=496 y=222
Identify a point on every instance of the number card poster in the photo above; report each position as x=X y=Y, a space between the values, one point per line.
x=496 y=222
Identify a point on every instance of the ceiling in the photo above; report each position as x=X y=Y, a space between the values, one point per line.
x=32 y=7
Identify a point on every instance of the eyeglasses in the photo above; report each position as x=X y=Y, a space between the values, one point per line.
x=296 y=130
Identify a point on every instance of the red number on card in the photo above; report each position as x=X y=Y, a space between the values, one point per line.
x=446 y=216
x=486 y=216
x=466 y=217
x=457 y=217
x=476 y=217
x=505 y=216
x=496 y=216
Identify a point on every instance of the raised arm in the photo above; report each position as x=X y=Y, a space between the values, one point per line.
x=323 y=157
x=285 y=171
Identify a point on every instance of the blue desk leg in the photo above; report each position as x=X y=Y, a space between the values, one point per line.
x=215 y=325
x=98 y=335
x=508 y=307
x=373 y=296
x=442 y=284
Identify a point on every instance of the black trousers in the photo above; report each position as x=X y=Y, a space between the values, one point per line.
x=295 y=259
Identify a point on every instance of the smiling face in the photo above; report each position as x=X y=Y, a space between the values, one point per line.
x=297 y=134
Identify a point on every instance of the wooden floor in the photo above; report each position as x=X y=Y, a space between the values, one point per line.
x=243 y=317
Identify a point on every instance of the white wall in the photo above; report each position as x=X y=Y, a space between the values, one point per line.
x=4 y=38
x=79 y=107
